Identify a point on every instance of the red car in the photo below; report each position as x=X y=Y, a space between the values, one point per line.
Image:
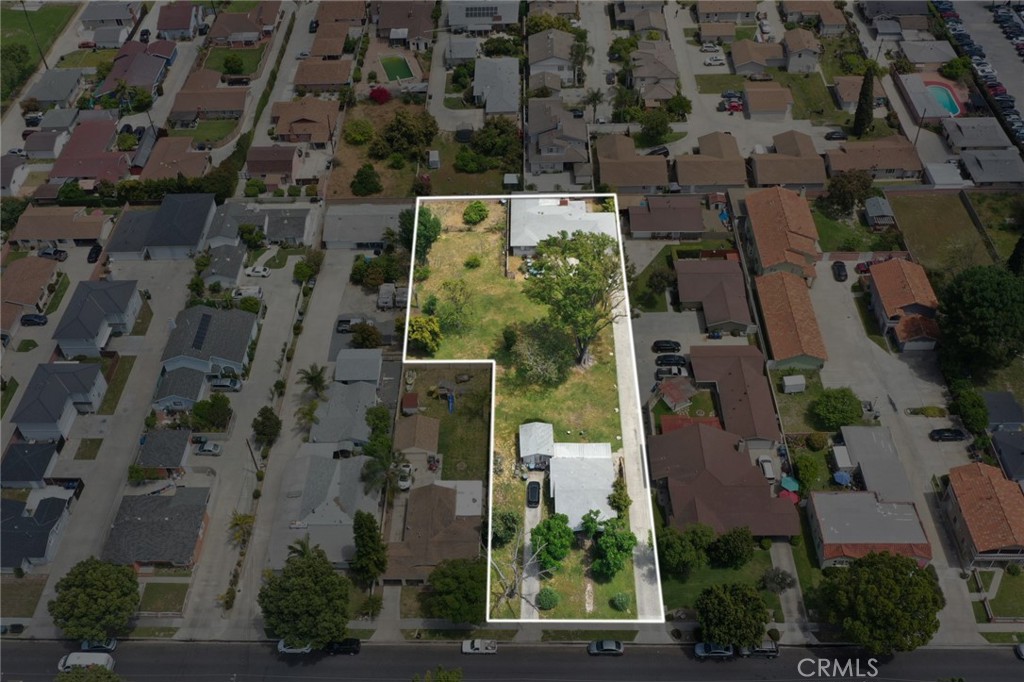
x=862 y=268
x=86 y=45
x=997 y=89
x=735 y=106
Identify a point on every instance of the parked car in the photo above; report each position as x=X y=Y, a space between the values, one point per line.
x=732 y=94
x=209 y=449
x=605 y=647
x=836 y=135
x=576 y=113
x=670 y=361
x=759 y=77
x=85 y=660
x=99 y=645
x=144 y=35
x=257 y=271
x=766 y=649
x=533 y=494
x=199 y=440
x=609 y=78
x=1018 y=649
x=733 y=105
x=947 y=435
x=862 y=268
x=715 y=60
x=669 y=372
x=314 y=25
x=34 y=320
x=302 y=55
x=17 y=151
x=226 y=385
x=660 y=150
x=346 y=647
x=283 y=648
x=705 y=650
x=404 y=476
x=95 y=251
x=86 y=45
x=710 y=47
x=666 y=346
x=839 y=271
x=34 y=119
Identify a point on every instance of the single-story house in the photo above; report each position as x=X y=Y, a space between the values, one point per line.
x=717 y=32
x=496 y=86
x=309 y=119
x=802 y=50
x=41 y=226
x=57 y=88
x=326 y=75
x=639 y=16
x=551 y=52
x=461 y=50
x=557 y=141
x=13 y=173
x=580 y=478
x=780 y=234
x=45 y=146
x=227 y=220
x=928 y=55
x=994 y=167
x=110 y=37
x=831 y=21
x=536 y=444
x=846 y=90
x=742 y=395
x=213 y=341
x=341 y=15
x=138 y=65
x=667 y=216
x=178 y=20
x=104 y=13
x=767 y=101
x=749 y=57
x=90 y=154
x=920 y=101
x=173 y=155
x=622 y=168
x=290 y=226
x=904 y=303
x=29 y=465
x=166 y=450
x=236 y=28
x=30 y=535
x=717 y=289
x=1009 y=447
x=975 y=133
x=179 y=389
x=54 y=396
x=849 y=525
x=161 y=530
x=790 y=325
x=733 y=11
x=795 y=163
x=986 y=515
x=343 y=416
x=25 y=284
x=481 y=17
x=97 y=310
x=716 y=165
x=360 y=226
x=174 y=231
x=405 y=23
x=874 y=459
x=533 y=220
x=276 y=164
x=417 y=435
x=887 y=158
x=226 y=263
x=358 y=366
x=203 y=97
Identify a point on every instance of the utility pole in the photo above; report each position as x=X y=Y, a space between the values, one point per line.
x=31 y=30
x=920 y=124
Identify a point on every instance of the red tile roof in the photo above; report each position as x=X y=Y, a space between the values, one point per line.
x=789 y=319
x=783 y=229
x=900 y=283
x=992 y=506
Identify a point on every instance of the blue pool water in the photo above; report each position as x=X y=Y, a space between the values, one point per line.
x=945 y=98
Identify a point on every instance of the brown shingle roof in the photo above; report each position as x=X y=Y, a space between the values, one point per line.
x=621 y=166
x=743 y=391
x=795 y=162
x=992 y=506
x=348 y=11
x=797 y=39
x=308 y=115
x=23 y=280
x=432 y=533
x=418 y=431
x=789 y=319
x=721 y=6
x=173 y=155
x=221 y=99
x=415 y=15
x=710 y=480
x=848 y=87
x=747 y=51
x=829 y=13
x=894 y=151
x=900 y=283
x=783 y=228
x=549 y=44
x=327 y=72
x=719 y=29
x=328 y=44
x=766 y=98
x=719 y=163
x=59 y=222
x=667 y=213
x=718 y=286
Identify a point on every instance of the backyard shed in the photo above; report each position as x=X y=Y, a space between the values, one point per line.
x=796 y=383
x=433 y=159
x=536 y=444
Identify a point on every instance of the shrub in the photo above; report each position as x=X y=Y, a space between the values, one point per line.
x=371 y=77
x=817 y=441
x=294 y=190
x=380 y=95
x=279 y=192
x=777 y=580
x=311 y=190
x=473 y=262
x=619 y=499
x=837 y=407
x=796 y=540
x=421 y=273
x=774 y=634
x=260 y=475
x=766 y=544
x=256 y=494
x=475 y=213
x=430 y=305
x=547 y=599
x=366 y=181
x=358 y=131
x=396 y=161
x=1013 y=570
x=621 y=602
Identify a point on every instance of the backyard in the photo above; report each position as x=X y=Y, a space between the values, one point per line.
x=85 y=58
x=811 y=99
x=210 y=131
x=938 y=231
x=250 y=56
x=447 y=181
x=795 y=408
x=850 y=235
x=395 y=182
x=642 y=297
x=17 y=26
x=1002 y=214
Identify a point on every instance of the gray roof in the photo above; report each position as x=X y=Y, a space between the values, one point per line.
x=534 y=220
x=361 y=222
x=58 y=119
x=180 y=220
x=872 y=449
x=27 y=537
x=230 y=216
x=358 y=364
x=51 y=387
x=157 y=528
x=225 y=261
x=1003 y=408
x=860 y=518
x=506 y=10
x=873 y=8
x=164 y=449
x=877 y=207
x=536 y=438
x=994 y=165
x=8 y=164
x=27 y=461
x=343 y=416
x=928 y=51
x=145 y=148
x=975 y=132
x=108 y=11
x=43 y=141
x=55 y=85
x=92 y=303
x=581 y=478
x=496 y=80
x=182 y=383
x=463 y=47
x=132 y=233
x=1010 y=447
x=549 y=44
x=921 y=99
x=287 y=224
x=205 y=333
x=108 y=34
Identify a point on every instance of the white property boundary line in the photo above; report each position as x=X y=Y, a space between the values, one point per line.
x=642 y=444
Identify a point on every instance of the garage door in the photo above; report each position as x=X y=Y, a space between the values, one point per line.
x=919 y=345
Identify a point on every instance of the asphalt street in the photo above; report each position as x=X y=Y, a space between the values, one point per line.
x=155 y=662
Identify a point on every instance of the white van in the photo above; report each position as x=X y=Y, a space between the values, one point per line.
x=85 y=660
x=767 y=468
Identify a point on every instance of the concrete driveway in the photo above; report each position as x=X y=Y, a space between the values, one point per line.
x=448 y=120
x=910 y=380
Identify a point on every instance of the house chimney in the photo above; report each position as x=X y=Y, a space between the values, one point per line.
x=563 y=202
x=803 y=191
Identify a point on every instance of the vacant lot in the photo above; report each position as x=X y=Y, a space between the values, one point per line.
x=1008 y=379
x=447 y=181
x=250 y=58
x=396 y=182
x=1002 y=214
x=19 y=596
x=47 y=22
x=811 y=99
x=938 y=231
x=716 y=83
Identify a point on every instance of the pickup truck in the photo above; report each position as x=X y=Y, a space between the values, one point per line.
x=479 y=646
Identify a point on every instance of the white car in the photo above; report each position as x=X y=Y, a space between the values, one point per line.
x=405 y=476
x=765 y=26
x=258 y=271
x=302 y=55
x=283 y=648
x=715 y=60
x=710 y=47
x=209 y=449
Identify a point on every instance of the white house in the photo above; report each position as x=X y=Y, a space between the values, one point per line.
x=534 y=220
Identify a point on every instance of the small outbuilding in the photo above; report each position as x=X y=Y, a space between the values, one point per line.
x=433 y=159
x=796 y=383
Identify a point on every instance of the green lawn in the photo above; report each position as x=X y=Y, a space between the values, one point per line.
x=807 y=570
x=396 y=67
x=25 y=345
x=458 y=103
x=19 y=596
x=587 y=635
x=446 y=181
x=683 y=595
x=10 y=388
x=280 y=257
x=570 y=582
x=640 y=296
x=980 y=615
x=464 y=441
x=641 y=141
x=143 y=319
x=811 y=99
x=89 y=448
x=795 y=408
x=746 y=32
x=153 y=633
x=211 y=131
x=85 y=58
x=837 y=235
x=456 y=634
x=240 y=6
x=713 y=83
x=58 y=295
x=939 y=232
x=832 y=51
x=251 y=57
x=1009 y=602
x=46 y=24
x=1000 y=213
x=1004 y=637
x=15 y=254
x=116 y=384
x=163 y=597
x=986 y=582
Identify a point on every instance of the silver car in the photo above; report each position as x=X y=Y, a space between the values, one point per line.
x=605 y=647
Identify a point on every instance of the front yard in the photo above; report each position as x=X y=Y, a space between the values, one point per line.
x=85 y=58
x=250 y=56
x=583 y=597
x=683 y=595
x=58 y=294
x=163 y=597
x=938 y=231
x=1009 y=602
x=20 y=596
x=10 y=388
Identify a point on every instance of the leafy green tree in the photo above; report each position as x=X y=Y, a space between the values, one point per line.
x=958 y=69
x=426 y=232
x=95 y=600
x=883 y=602
x=214 y=412
x=196 y=286
x=378 y=418
x=358 y=131
x=981 y=316
x=500 y=46
x=266 y=426
x=498 y=143
x=425 y=334
x=581 y=282
x=306 y=415
x=233 y=64
x=552 y=539
x=835 y=408
x=366 y=181
x=969 y=406
x=864 y=115
x=810 y=469
x=622 y=48
x=619 y=499
x=475 y=213
x=249 y=304
x=371 y=559
x=580 y=54
x=380 y=472
x=733 y=613
x=458 y=591
x=542 y=353
x=678 y=107
x=453 y=311
x=777 y=580
x=613 y=549
x=251 y=236
x=654 y=126
x=366 y=335
x=591 y=523
x=677 y=555
x=11 y=209
x=505 y=527
x=1015 y=264
x=847 y=189
x=440 y=674
x=92 y=674
x=126 y=142
x=314 y=378
x=307 y=603
x=732 y=549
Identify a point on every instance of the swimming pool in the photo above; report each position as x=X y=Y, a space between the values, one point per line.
x=945 y=97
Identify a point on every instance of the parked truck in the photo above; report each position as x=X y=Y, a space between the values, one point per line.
x=479 y=646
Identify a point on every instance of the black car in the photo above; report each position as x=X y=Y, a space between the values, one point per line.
x=670 y=361
x=839 y=271
x=666 y=346
x=947 y=435
x=313 y=26
x=533 y=494
x=836 y=135
x=144 y=35
x=94 y=253
x=34 y=320
x=576 y=113
x=126 y=129
x=33 y=120
x=660 y=150
x=199 y=440
x=54 y=254
x=346 y=647
x=609 y=79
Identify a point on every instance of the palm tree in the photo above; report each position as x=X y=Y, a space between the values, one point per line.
x=381 y=470
x=241 y=528
x=315 y=379
x=580 y=54
x=306 y=414
x=301 y=549
x=592 y=99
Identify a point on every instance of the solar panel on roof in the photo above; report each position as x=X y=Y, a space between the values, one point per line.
x=201 y=330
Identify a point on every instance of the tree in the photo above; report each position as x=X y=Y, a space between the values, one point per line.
x=958 y=69
x=307 y=603
x=94 y=673
x=249 y=304
x=358 y=131
x=619 y=499
x=453 y=311
x=1015 y=264
x=371 y=559
x=475 y=213
x=505 y=527
x=366 y=335
x=425 y=334
x=215 y=412
x=593 y=99
x=552 y=539
x=103 y=70
x=612 y=550
x=777 y=580
x=233 y=64
x=580 y=54
x=732 y=549
x=196 y=286
x=306 y=415
x=732 y=613
x=621 y=48
x=96 y=600
x=865 y=113
x=378 y=418
x=883 y=602
x=542 y=353
x=581 y=284
x=251 y=236
x=678 y=106
x=266 y=426
x=381 y=470
x=810 y=469
x=314 y=378
x=426 y=232
x=847 y=189
x=458 y=591
x=968 y=404
x=590 y=525
x=366 y=181
x=837 y=407
x=380 y=95
x=500 y=46
x=126 y=142
x=677 y=555
x=10 y=212
x=981 y=317
x=654 y=126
